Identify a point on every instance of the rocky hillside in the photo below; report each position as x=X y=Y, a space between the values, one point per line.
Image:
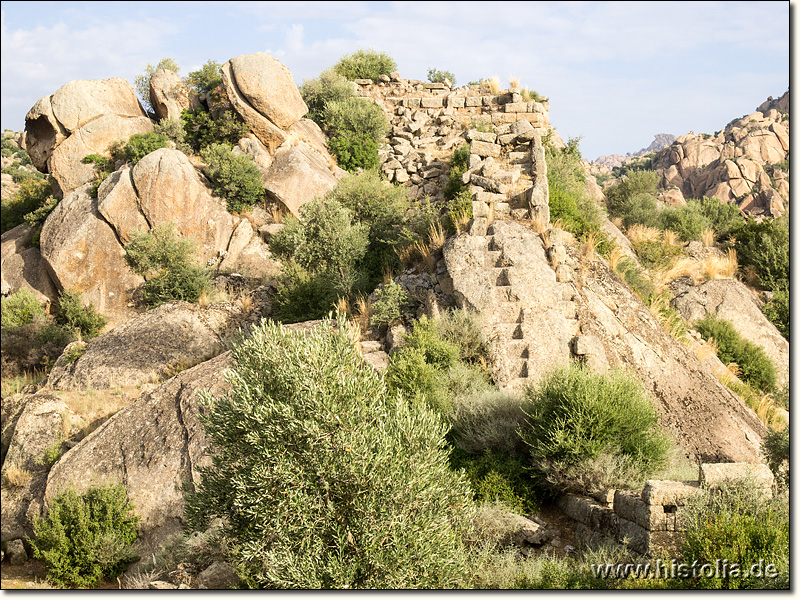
x=660 y=141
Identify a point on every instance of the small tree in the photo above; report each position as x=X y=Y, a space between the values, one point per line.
x=365 y=64
x=234 y=177
x=437 y=76
x=322 y=478
x=141 y=82
x=207 y=78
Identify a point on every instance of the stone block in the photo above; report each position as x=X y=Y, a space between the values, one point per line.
x=484 y=149
x=480 y=209
x=516 y=107
x=471 y=101
x=456 y=101
x=363 y=81
x=489 y=197
x=479 y=226
x=636 y=537
x=521 y=126
x=520 y=213
x=490 y=185
x=432 y=102
x=502 y=208
x=518 y=158
x=563 y=274
x=473 y=135
x=488 y=100
x=712 y=474
x=499 y=118
x=506 y=176
x=411 y=102
x=669 y=493
x=507 y=139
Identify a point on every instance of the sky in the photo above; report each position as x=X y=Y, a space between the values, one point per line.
x=616 y=73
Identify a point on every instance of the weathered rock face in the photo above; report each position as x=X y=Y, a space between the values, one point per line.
x=299 y=174
x=732 y=300
x=82 y=117
x=543 y=314
x=737 y=165
x=169 y=96
x=152 y=446
x=21 y=266
x=82 y=253
x=269 y=88
x=146 y=347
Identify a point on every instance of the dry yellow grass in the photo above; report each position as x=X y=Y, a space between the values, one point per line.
x=436 y=237
x=276 y=213
x=494 y=84
x=638 y=233
x=526 y=95
x=708 y=237
x=721 y=267
x=703 y=349
x=539 y=225
x=246 y=303
x=615 y=256
x=680 y=268
x=671 y=238
x=204 y=300
x=513 y=82
x=461 y=221
x=343 y=305
x=363 y=312
x=589 y=246
x=16 y=476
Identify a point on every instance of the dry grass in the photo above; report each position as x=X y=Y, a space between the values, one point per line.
x=671 y=238
x=14 y=385
x=617 y=222
x=363 y=312
x=721 y=267
x=589 y=246
x=615 y=257
x=204 y=300
x=461 y=221
x=246 y=303
x=95 y=406
x=343 y=306
x=703 y=349
x=539 y=225
x=494 y=84
x=15 y=475
x=526 y=95
x=387 y=275
x=276 y=213
x=513 y=82
x=750 y=275
x=436 y=237
x=708 y=237
x=639 y=233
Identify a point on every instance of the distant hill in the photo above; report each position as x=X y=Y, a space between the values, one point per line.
x=660 y=141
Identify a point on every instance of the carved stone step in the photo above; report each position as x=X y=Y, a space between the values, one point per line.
x=505 y=294
x=516 y=349
x=520 y=369
x=507 y=312
x=567 y=308
x=493 y=259
x=509 y=331
x=502 y=277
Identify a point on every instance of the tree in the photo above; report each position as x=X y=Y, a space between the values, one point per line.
x=322 y=478
x=142 y=81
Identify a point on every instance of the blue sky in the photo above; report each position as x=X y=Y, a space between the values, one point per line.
x=616 y=72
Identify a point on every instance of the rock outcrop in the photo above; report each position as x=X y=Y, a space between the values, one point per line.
x=732 y=300
x=21 y=265
x=82 y=117
x=545 y=306
x=169 y=96
x=660 y=141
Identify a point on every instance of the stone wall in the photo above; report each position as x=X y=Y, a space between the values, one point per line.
x=428 y=121
x=651 y=521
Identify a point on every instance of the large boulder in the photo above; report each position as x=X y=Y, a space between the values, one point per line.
x=82 y=253
x=21 y=266
x=170 y=189
x=732 y=300
x=148 y=347
x=298 y=174
x=268 y=87
x=169 y=96
x=82 y=117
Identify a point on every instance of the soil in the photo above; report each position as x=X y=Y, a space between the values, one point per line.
x=32 y=576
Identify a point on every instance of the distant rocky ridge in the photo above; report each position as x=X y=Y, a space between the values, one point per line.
x=660 y=141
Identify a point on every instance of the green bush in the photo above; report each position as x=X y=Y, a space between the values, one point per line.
x=437 y=76
x=388 y=307
x=328 y=87
x=202 y=130
x=141 y=83
x=354 y=151
x=488 y=421
x=462 y=327
x=324 y=480
x=655 y=253
x=141 y=144
x=355 y=115
x=20 y=308
x=32 y=195
x=765 y=247
x=32 y=346
x=234 y=177
x=86 y=538
x=458 y=166
x=584 y=425
x=72 y=313
x=633 y=198
x=777 y=309
x=206 y=78
x=365 y=64
x=755 y=367
x=777 y=448
x=437 y=351
x=735 y=522
x=569 y=201
x=167 y=264
x=302 y=295
x=173 y=129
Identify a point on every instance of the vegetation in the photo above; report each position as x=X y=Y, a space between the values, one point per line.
x=167 y=264
x=32 y=196
x=634 y=199
x=102 y=169
x=388 y=307
x=234 y=177
x=696 y=216
x=72 y=313
x=327 y=88
x=588 y=432
x=85 y=538
x=141 y=83
x=140 y=145
x=354 y=151
x=174 y=131
x=754 y=365
x=346 y=486
x=736 y=522
x=207 y=78
x=776 y=451
x=20 y=308
x=365 y=64
x=437 y=76
x=201 y=129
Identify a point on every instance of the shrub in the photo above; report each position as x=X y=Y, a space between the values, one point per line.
x=173 y=129
x=437 y=351
x=86 y=538
x=166 y=263
x=415 y=379
x=462 y=327
x=302 y=295
x=141 y=83
x=202 y=130
x=389 y=304
x=656 y=253
x=459 y=211
x=72 y=313
x=577 y=417
x=328 y=87
x=777 y=309
x=206 y=78
x=765 y=247
x=328 y=481
x=755 y=367
x=141 y=144
x=234 y=177
x=32 y=194
x=489 y=421
x=20 y=308
x=354 y=151
x=776 y=449
x=569 y=201
x=32 y=346
x=355 y=116
x=365 y=64
x=735 y=522
x=621 y=198
x=102 y=167
x=437 y=76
